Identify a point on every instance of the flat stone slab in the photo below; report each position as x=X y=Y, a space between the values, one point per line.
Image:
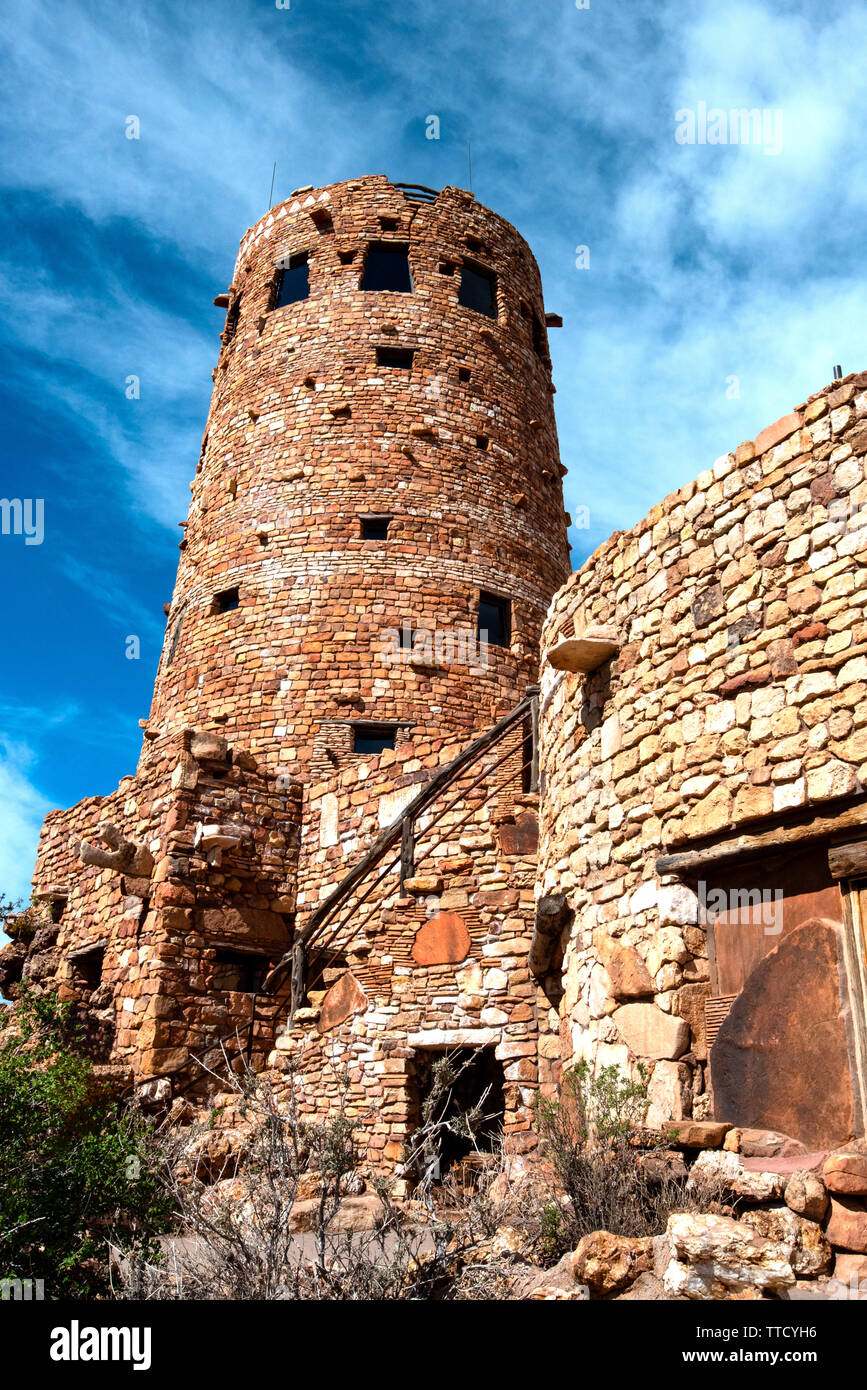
x=697 y=1134
x=793 y=1163
x=585 y=653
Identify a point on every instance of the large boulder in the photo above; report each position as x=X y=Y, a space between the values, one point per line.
x=809 y=1252
x=716 y=1257
x=607 y=1263
x=649 y=1033
x=718 y=1168
x=846 y=1172
x=847 y=1225
x=806 y=1196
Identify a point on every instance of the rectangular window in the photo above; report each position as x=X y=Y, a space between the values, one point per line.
x=375 y=528
x=478 y=291
x=494 y=622
x=293 y=281
x=386 y=267
x=394 y=357
x=238 y=971
x=227 y=600
x=372 y=738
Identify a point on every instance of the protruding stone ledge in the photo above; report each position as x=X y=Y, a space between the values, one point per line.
x=592 y=649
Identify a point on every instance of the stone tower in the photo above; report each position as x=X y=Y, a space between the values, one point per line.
x=379 y=484
x=380 y=456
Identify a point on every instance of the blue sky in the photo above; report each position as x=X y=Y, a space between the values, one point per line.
x=707 y=263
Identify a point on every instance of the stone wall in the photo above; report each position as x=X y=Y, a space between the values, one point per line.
x=734 y=705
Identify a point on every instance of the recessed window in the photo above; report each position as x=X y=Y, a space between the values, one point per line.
x=386 y=267
x=372 y=738
x=175 y=638
x=540 y=344
x=394 y=357
x=87 y=968
x=478 y=291
x=238 y=971
x=481 y=441
x=375 y=528
x=293 y=281
x=494 y=623
x=447 y=268
x=389 y=224
x=232 y=320
x=225 y=601
x=473 y=243
x=464 y=373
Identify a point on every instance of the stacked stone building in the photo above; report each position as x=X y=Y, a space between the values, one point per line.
x=361 y=835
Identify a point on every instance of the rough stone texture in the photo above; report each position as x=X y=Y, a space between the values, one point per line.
x=809 y=1251
x=846 y=1227
x=648 y=1032
x=718 y=1167
x=846 y=1173
x=806 y=1195
x=715 y=1257
x=608 y=1263
x=736 y=703
x=345 y=998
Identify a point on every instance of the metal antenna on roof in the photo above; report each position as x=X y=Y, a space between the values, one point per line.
x=838 y=373
x=271 y=194
x=470 y=165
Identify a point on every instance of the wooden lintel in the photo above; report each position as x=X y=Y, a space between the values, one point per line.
x=779 y=839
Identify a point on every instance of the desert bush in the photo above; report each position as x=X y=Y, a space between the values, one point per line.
x=593 y=1136
x=76 y=1165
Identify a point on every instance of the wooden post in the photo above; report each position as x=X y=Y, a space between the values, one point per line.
x=299 y=983
x=407 y=851
x=533 y=692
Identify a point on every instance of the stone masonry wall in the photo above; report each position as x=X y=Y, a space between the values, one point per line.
x=736 y=701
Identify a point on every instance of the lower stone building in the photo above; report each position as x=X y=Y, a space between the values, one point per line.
x=704 y=757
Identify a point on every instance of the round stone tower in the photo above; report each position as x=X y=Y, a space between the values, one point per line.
x=378 y=481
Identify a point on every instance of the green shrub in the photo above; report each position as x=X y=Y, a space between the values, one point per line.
x=77 y=1168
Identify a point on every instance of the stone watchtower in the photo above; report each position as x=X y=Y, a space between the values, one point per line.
x=380 y=459
x=379 y=487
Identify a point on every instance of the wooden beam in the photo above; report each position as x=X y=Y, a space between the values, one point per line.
x=848 y=861
x=781 y=838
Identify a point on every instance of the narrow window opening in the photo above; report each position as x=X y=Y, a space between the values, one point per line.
x=175 y=639
x=371 y=739
x=238 y=971
x=395 y=357
x=375 y=528
x=293 y=281
x=473 y=243
x=494 y=621
x=478 y=291
x=346 y=257
x=56 y=909
x=540 y=344
x=447 y=268
x=226 y=600
x=386 y=267
x=87 y=969
x=482 y=441
x=389 y=224
x=232 y=319
x=464 y=373
x=405 y=636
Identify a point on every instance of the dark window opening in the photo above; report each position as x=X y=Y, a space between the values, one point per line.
x=346 y=257
x=405 y=636
x=478 y=291
x=447 y=268
x=473 y=243
x=56 y=909
x=389 y=224
x=540 y=343
x=238 y=971
x=464 y=373
x=386 y=267
x=524 y=308
x=228 y=599
x=394 y=357
x=375 y=528
x=232 y=320
x=481 y=441
x=494 y=619
x=373 y=738
x=476 y=1079
x=175 y=639
x=87 y=969
x=293 y=281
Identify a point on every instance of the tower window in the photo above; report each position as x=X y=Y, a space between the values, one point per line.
x=226 y=600
x=464 y=373
x=394 y=357
x=375 y=528
x=494 y=622
x=372 y=738
x=388 y=224
x=239 y=971
x=386 y=267
x=293 y=281
x=481 y=441
x=478 y=291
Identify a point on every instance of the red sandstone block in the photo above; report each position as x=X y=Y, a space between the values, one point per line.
x=774 y=434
